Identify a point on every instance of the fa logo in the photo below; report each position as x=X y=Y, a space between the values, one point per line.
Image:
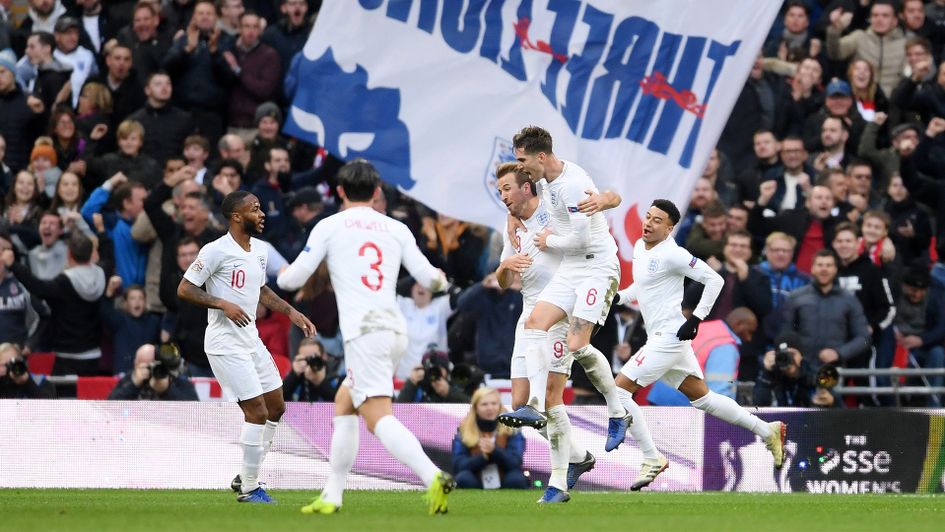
x=502 y=152
x=542 y=218
x=653 y=266
x=262 y=262
x=554 y=198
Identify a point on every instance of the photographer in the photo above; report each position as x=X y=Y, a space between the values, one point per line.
x=16 y=382
x=430 y=383
x=787 y=379
x=155 y=377
x=314 y=375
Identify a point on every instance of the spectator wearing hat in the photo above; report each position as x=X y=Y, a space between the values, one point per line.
x=40 y=73
x=258 y=74
x=166 y=125
x=43 y=161
x=267 y=120
x=905 y=139
x=70 y=52
x=837 y=103
x=288 y=36
x=200 y=71
x=920 y=323
x=882 y=45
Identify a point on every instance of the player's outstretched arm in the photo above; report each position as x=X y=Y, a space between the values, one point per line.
x=273 y=302
x=195 y=295
x=698 y=270
x=627 y=295
x=297 y=273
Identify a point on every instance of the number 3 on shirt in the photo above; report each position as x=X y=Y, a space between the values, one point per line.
x=372 y=284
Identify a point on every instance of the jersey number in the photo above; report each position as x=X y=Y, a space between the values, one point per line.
x=374 y=285
x=639 y=359
x=591 y=296
x=238 y=278
x=559 y=349
x=518 y=243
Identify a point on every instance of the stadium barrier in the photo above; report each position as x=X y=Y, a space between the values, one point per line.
x=120 y=444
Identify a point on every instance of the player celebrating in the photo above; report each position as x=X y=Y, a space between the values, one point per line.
x=522 y=257
x=583 y=285
x=659 y=266
x=234 y=270
x=364 y=250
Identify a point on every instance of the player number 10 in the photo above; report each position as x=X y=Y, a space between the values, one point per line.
x=238 y=278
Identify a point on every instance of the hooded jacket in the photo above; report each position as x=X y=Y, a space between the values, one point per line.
x=73 y=298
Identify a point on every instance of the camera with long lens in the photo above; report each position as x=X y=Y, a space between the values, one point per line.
x=317 y=363
x=433 y=361
x=166 y=360
x=16 y=367
x=783 y=357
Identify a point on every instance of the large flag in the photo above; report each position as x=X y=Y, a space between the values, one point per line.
x=432 y=91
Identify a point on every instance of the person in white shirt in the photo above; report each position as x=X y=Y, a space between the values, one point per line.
x=233 y=268
x=426 y=318
x=364 y=250
x=659 y=269
x=521 y=258
x=582 y=287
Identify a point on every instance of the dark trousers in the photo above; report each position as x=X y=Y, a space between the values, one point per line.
x=513 y=479
x=82 y=368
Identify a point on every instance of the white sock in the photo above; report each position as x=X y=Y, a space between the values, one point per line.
x=598 y=371
x=268 y=433
x=726 y=409
x=251 y=438
x=405 y=447
x=559 y=436
x=344 y=449
x=578 y=451
x=638 y=429
x=536 y=364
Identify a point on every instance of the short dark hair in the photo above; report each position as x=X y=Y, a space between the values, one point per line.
x=273 y=150
x=714 y=209
x=740 y=233
x=846 y=226
x=186 y=241
x=826 y=252
x=797 y=3
x=155 y=74
x=532 y=139
x=359 y=179
x=198 y=140
x=883 y=3
x=123 y=192
x=80 y=247
x=232 y=201
x=668 y=207
x=918 y=40
x=45 y=38
x=738 y=207
x=229 y=163
x=521 y=177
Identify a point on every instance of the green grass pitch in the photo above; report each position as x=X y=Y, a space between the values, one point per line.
x=184 y=510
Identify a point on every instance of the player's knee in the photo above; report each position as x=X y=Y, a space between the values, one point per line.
x=576 y=344
x=276 y=411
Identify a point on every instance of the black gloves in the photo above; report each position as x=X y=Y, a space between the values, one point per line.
x=689 y=329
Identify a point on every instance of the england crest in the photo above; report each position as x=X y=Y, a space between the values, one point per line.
x=653 y=266
x=502 y=152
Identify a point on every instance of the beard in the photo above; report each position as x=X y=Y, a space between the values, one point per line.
x=250 y=228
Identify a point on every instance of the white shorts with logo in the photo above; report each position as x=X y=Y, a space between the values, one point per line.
x=370 y=360
x=560 y=359
x=584 y=290
x=672 y=361
x=244 y=376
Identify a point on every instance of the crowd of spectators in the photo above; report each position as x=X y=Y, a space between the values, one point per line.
x=125 y=123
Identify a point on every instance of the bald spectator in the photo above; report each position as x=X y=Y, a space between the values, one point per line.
x=166 y=125
x=232 y=146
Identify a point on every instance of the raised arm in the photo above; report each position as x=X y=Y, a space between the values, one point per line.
x=297 y=273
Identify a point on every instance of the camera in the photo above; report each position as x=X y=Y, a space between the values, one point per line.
x=166 y=360
x=316 y=363
x=16 y=367
x=433 y=361
x=783 y=357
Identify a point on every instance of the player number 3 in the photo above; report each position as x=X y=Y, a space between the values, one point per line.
x=373 y=284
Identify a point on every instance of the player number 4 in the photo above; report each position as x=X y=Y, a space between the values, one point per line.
x=373 y=284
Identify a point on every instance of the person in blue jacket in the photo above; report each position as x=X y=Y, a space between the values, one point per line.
x=487 y=455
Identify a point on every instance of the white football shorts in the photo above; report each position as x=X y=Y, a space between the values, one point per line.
x=244 y=376
x=370 y=360
x=559 y=360
x=584 y=290
x=672 y=361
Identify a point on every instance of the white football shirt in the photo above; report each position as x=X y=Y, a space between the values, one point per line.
x=364 y=250
x=425 y=326
x=235 y=275
x=658 y=285
x=544 y=263
x=561 y=198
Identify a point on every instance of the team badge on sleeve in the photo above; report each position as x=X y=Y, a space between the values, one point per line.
x=692 y=263
x=197 y=266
